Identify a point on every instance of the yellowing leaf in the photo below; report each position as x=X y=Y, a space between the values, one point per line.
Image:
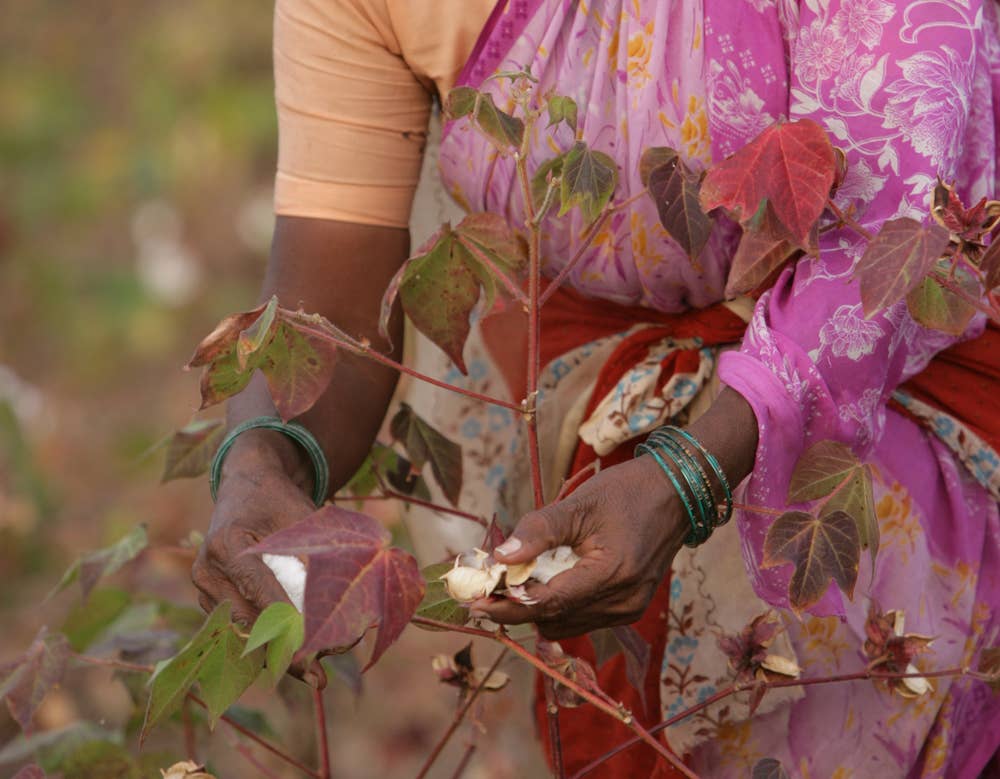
x=819 y=471
x=214 y=658
x=938 y=308
x=191 y=449
x=820 y=548
x=461 y=101
x=896 y=261
x=588 y=181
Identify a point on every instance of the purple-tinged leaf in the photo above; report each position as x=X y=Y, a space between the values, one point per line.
x=820 y=548
x=653 y=158
x=25 y=681
x=791 y=165
x=544 y=173
x=768 y=768
x=896 y=261
x=503 y=129
x=573 y=668
x=355 y=581
x=191 y=449
x=624 y=639
x=990 y=265
x=964 y=225
x=674 y=188
x=764 y=249
x=588 y=181
x=424 y=444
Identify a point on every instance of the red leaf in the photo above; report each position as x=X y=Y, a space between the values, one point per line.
x=30 y=772
x=963 y=224
x=354 y=580
x=791 y=165
x=896 y=260
x=764 y=248
x=990 y=265
x=191 y=449
x=820 y=548
x=748 y=648
x=26 y=681
x=674 y=188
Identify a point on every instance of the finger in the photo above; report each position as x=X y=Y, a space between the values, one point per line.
x=547 y=528
x=255 y=581
x=564 y=594
x=214 y=587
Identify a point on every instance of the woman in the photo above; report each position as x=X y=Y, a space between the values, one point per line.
x=906 y=90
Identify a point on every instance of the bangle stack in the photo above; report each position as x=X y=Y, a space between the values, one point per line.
x=677 y=453
x=293 y=430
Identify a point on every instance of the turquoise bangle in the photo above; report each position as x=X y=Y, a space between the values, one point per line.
x=293 y=430
x=692 y=538
x=719 y=473
x=697 y=480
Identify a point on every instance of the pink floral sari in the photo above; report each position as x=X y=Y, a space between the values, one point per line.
x=907 y=89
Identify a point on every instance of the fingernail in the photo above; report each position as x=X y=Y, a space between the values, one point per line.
x=509 y=547
x=477 y=614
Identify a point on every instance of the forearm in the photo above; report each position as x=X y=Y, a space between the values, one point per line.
x=339 y=271
x=728 y=430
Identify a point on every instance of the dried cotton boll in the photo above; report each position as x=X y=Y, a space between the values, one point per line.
x=186 y=770
x=781 y=665
x=914 y=686
x=290 y=572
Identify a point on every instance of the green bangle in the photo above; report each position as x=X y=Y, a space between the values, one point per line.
x=696 y=478
x=293 y=430
x=719 y=473
x=692 y=538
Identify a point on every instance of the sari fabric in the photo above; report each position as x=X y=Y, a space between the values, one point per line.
x=907 y=90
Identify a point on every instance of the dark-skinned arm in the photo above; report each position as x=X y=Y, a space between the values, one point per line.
x=626 y=523
x=339 y=270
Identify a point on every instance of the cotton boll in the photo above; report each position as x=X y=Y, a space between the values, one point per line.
x=553 y=562
x=466 y=583
x=291 y=575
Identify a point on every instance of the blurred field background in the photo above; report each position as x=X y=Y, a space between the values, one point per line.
x=137 y=146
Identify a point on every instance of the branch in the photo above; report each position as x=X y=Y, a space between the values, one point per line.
x=552 y=715
x=464 y=762
x=848 y=221
x=390 y=492
x=457 y=719
x=734 y=688
x=322 y=740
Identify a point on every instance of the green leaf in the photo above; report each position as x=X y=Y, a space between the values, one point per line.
x=396 y=469
x=820 y=470
x=252 y=341
x=280 y=626
x=437 y=604
x=214 y=658
x=97 y=760
x=855 y=497
x=424 y=444
x=588 y=181
x=820 y=548
x=461 y=101
x=191 y=449
x=88 y=620
x=503 y=128
x=938 y=308
x=90 y=568
x=562 y=109
x=551 y=168
x=896 y=261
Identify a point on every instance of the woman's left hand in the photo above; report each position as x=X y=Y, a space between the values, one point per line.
x=626 y=523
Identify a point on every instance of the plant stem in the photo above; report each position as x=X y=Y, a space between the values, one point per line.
x=364 y=349
x=956 y=290
x=248 y=754
x=459 y=716
x=757 y=509
x=848 y=221
x=322 y=739
x=391 y=494
x=464 y=762
x=733 y=689
x=552 y=715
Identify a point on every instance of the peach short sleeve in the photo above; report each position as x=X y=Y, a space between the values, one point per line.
x=354 y=83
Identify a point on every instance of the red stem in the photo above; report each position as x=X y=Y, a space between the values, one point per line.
x=459 y=716
x=733 y=689
x=365 y=350
x=945 y=282
x=464 y=762
x=848 y=221
x=390 y=494
x=322 y=739
x=552 y=715
x=248 y=754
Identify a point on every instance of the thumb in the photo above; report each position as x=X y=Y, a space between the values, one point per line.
x=536 y=532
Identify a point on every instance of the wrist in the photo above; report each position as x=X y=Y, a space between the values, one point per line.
x=258 y=455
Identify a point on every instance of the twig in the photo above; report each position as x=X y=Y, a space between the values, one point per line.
x=322 y=739
x=364 y=349
x=848 y=221
x=391 y=494
x=459 y=716
x=733 y=689
x=956 y=290
x=464 y=762
x=552 y=715
x=248 y=754
x=757 y=509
